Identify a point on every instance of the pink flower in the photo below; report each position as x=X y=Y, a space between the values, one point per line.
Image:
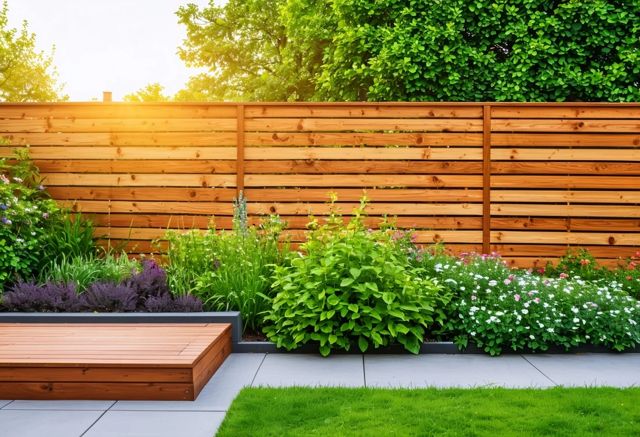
x=563 y=275
x=536 y=300
x=517 y=297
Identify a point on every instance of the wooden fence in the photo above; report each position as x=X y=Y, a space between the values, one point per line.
x=524 y=180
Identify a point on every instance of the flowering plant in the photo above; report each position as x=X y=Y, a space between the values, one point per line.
x=25 y=211
x=498 y=308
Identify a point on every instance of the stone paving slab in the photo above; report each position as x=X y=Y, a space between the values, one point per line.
x=4 y=403
x=611 y=370
x=46 y=423
x=451 y=371
x=284 y=370
x=61 y=405
x=156 y=424
x=237 y=371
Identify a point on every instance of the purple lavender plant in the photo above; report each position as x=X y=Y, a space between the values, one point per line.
x=108 y=297
x=150 y=282
x=181 y=304
x=50 y=298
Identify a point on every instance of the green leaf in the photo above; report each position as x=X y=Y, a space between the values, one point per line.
x=346 y=282
x=363 y=344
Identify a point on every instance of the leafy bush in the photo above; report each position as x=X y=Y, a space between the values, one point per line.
x=49 y=298
x=228 y=270
x=84 y=271
x=71 y=236
x=499 y=308
x=352 y=286
x=25 y=214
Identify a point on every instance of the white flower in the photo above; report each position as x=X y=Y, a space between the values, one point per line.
x=493 y=283
x=525 y=311
x=532 y=337
x=576 y=320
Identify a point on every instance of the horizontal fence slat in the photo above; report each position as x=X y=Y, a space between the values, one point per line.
x=562 y=174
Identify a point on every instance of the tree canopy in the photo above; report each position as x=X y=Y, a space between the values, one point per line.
x=440 y=50
x=26 y=74
x=154 y=92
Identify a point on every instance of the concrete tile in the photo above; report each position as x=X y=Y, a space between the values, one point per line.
x=4 y=403
x=283 y=370
x=60 y=405
x=237 y=371
x=39 y=423
x=614 y=370
x=451 y=371
x=156 y=424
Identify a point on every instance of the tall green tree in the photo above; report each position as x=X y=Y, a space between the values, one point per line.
x=26 y=74
x=484 y=50
x=248 y=52
x=154 y=92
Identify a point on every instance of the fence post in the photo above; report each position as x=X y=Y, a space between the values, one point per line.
x=486 y=178
x=240 y=149
x=107 y=96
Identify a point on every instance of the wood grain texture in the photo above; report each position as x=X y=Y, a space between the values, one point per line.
x=110 y=361
x=550 y=175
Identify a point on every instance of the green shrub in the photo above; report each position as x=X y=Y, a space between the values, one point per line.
x=498 y=308
x=351 y=285
x=26 y=214
x=72 y=236
x=86 y=270
x=228 y=270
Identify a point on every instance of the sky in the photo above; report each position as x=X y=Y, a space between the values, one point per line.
x=108 y=45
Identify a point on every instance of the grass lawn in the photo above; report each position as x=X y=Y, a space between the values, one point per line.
x=425 y=412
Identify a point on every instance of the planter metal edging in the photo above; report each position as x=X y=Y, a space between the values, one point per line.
x=443 y=347
x=232 y=317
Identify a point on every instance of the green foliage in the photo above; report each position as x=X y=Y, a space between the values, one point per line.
x=247 y=51
x=352 y=286
x=484 y=50
x=26 y=75
x=499 y=308
x=71 y=236
x=581 y=263
x=228 y=270
x=457 y=50
x=153 y=92
x=88 y=269
x=25 y=217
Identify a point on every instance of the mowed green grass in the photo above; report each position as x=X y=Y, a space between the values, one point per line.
x=433 y=412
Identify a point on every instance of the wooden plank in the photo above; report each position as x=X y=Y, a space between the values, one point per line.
x=363 y=139
x=374 y=195
x=141 y=153
x=524 y=209
x=367 y=124
x=486 y=178
x=573 y=140
x=118 y=110
x=134 y=166
x=549 y=196
x=379 y=208
x=551 y=111
x=139 y=180
x=137 y=220
x=142 y=193
x=559 y=182
x=436 y=180
x=558 y=250
x=240 y=162
x=565 y=125
x=577 y=168
x=555 y=154
x=118 y=125
x=122 y=139
x=97 y=391
x=119 y=206
x=364 y=111
x=574 y=238
x=568 y=223
x=352 y=153
x=301 y=166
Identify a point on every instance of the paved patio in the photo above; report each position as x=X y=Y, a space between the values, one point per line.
x=203 y=416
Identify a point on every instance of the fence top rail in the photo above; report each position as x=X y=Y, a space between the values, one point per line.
x=371 y=104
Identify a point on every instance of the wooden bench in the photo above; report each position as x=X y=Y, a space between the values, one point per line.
x=110 y=361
